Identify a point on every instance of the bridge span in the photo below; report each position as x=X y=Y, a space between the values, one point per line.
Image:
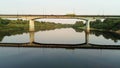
x=32 y=18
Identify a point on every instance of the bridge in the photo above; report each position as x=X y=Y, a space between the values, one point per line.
x=32 y=18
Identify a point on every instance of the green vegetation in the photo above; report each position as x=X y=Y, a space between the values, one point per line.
x=78 y=24
x=10 y=25
x=49 y=25
x=108 y=24
x=19 y=24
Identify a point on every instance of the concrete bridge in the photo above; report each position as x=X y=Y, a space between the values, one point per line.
x=32 y=18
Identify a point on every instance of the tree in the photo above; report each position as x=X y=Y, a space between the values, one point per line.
x=78 y=24
x=107 y=24
x=4 y=21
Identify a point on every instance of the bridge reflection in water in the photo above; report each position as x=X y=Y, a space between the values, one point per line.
x=32 y=35
x=85 y=45
x=32 y=39
x=32 y=43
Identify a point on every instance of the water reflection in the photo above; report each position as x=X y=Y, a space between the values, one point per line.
x=107 y=35
x=31 y=37
x=61 y=36
x=13 y=36
x=87 y=37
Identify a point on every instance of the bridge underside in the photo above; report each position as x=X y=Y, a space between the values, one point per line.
x=66 y=46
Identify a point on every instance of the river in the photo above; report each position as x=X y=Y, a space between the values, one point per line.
x=20 y=57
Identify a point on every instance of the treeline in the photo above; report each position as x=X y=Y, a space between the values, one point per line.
x=78 y=24
x=108 y=24
x=49 y=25
x=20 y=24
x=10 y=25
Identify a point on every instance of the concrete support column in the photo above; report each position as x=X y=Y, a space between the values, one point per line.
x=87 y=25
x=31 y=37
x=31 y=25
x=87 y=37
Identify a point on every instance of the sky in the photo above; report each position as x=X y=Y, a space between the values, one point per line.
x=79 y=7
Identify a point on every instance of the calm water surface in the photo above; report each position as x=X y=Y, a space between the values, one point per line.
x=58 y=58
x=65 y=36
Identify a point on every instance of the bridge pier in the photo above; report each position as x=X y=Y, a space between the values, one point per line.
x=31 y=25
x=31 y=33
x=88 y=26
x=86 y=37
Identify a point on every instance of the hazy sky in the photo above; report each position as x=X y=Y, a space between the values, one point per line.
x=97 y=7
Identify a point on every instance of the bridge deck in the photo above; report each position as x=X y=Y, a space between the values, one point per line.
x=60 y=15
